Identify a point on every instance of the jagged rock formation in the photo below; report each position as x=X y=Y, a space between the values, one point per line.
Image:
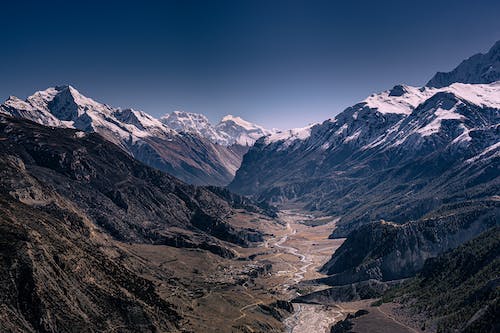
x=187 y=155
x=388 y=251
x=480 y=68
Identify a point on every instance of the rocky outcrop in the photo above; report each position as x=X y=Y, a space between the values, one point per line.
x=480 y=68
x=345 y=325
x=388 y=251
x=458 y=290
x=344 y=293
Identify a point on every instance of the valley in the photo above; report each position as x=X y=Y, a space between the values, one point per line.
x=220 y=295
x=296 y=250
x=381 y=218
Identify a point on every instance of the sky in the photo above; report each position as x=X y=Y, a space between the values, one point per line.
x=281 y=64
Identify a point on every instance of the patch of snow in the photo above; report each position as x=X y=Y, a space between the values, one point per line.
x=464 y=137
x=488 y=150
x=342 y=129
x=80 y=134
x=352 y=137
x=480 y=94
x=435 y=124
x=291 y=135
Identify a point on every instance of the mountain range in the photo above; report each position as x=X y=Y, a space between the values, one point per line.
x=420 y=164
x=183 y=144
x=73 y=209
x=90 y=195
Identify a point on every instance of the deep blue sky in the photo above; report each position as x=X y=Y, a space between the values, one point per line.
x=279 y=63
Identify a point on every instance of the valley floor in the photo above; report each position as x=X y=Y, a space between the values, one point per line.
x=214 y=294
x=297 y=251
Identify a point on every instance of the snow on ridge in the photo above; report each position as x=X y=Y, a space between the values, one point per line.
x=290 y=135
x=493 y=148
x=409 y=98
x=241 y=122
x=404 y=104
x=230 y=130
x=487 y=95
x=435 y=125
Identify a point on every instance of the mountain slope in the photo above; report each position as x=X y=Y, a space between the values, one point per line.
x=459 y=290
x=396 y=156
x=187 y=156
x=92 y=240
x=387 y=251
x=59 y=168
x=480 y=68
x=55 y=279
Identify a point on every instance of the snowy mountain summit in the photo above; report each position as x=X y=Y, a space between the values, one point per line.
x=229 y=131
x=193 y=156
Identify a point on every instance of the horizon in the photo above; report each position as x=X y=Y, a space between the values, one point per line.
x=279 y=65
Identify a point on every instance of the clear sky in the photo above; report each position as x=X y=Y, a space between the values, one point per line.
x=278 y=63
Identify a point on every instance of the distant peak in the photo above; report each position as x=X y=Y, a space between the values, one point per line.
x=230 y=117
x=238 y=121
x=184 y=115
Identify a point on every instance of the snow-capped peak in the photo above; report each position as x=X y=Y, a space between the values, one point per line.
x=240 y=122
x=185 y=121
x=230 y=130
x=196 y=123
x=64 y=106
x=240 y=131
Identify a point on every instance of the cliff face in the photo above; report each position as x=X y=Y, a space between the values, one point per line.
x=457 y=291
x=387 y=251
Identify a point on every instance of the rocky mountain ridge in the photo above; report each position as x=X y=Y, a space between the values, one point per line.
x=189 y=156
x=383 y=158
x=480 y=68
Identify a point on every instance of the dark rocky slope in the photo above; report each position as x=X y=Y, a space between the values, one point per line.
x=458 y=291
x=53 y=278
x=53 y=167
x=388 y=251
x=75 y=212
x=480 y=68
